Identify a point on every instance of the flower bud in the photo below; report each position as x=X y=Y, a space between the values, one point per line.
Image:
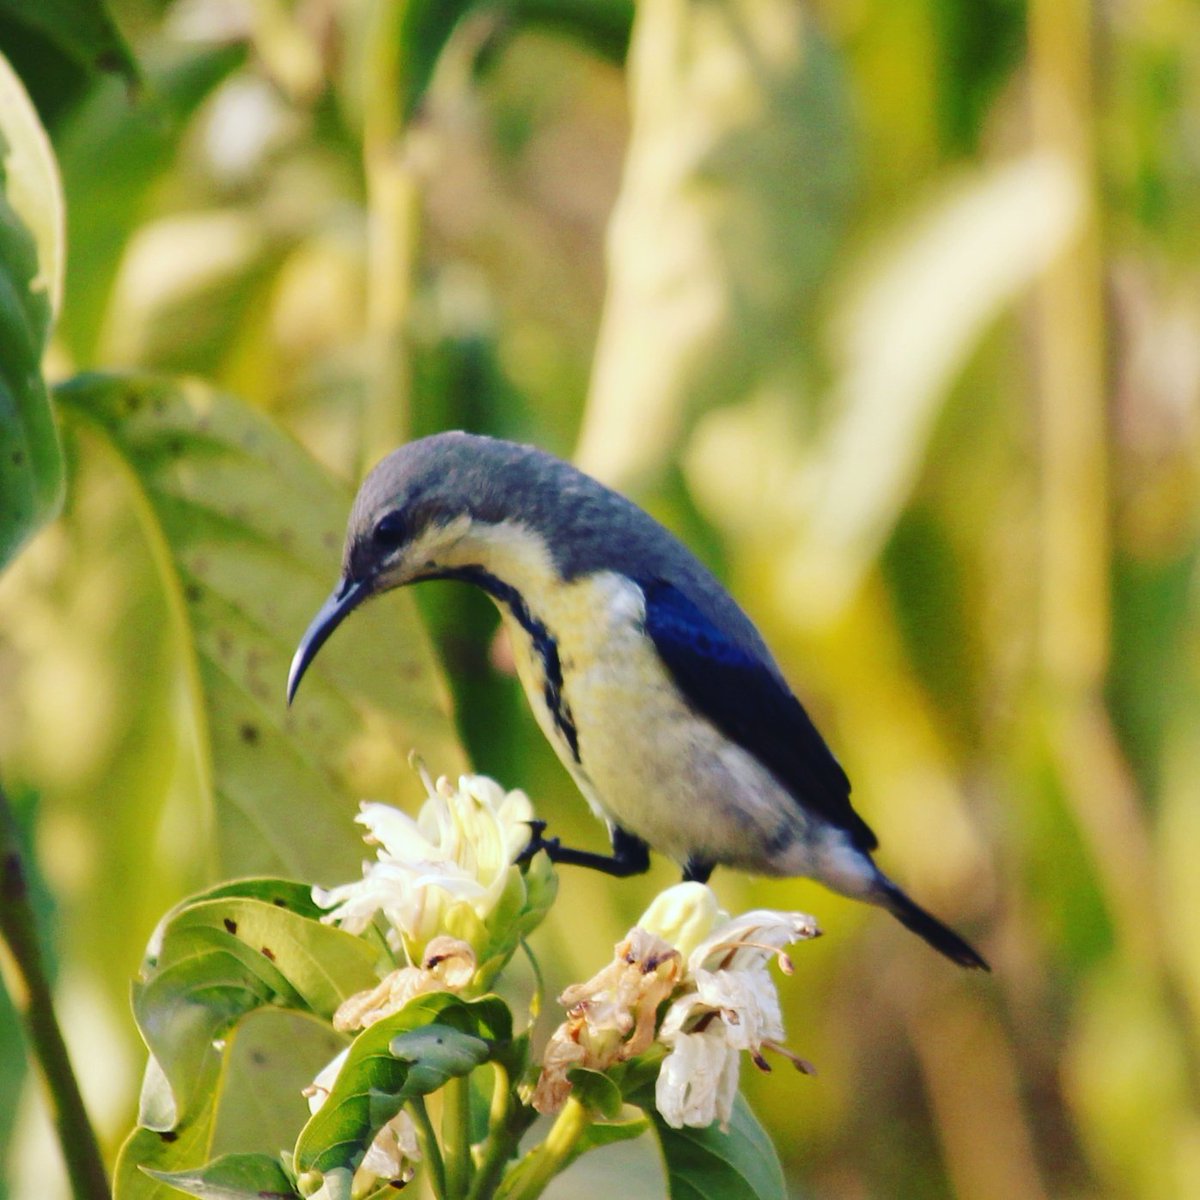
x=683 y=915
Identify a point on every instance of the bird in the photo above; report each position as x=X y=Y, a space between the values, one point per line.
x=655 y=689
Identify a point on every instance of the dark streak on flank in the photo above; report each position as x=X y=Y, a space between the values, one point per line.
x=230 y=925
x=543 y=643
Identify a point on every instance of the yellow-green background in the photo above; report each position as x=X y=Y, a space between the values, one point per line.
x=897 y=323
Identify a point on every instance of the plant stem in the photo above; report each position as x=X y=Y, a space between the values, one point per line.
x=531 y=1176
x=393 y=230
x=506 y=1125
x=430 y=1150
x=456 y=1136
x=25 y=972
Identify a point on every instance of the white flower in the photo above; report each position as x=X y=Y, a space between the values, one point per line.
x=723 y=1001
x=394 y=1152
x=728 y=1003
x=683 y=915
x=451 y=871
x=698 y=1080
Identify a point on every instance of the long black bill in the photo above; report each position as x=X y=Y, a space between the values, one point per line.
x=348 y=596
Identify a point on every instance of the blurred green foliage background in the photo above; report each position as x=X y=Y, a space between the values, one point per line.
x=891 y=309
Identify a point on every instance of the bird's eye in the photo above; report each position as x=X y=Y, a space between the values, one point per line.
x=390 y=531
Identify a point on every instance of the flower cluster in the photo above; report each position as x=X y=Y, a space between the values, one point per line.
x=454 y=904
x=451 y=872
x=722 y=1001
x=688 y=990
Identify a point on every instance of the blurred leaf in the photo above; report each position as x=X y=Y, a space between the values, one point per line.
x=733 y=192
x=979 y=46
x=233 y=1177
x=392 y=51
x=1152 y=670
x=54 y=79
x=917 y=313
x=14 y=1061
x=32 y=183
x=395 y=47
x=602 y=26
x=706 y=1164
x=213 y=273
x=83 y=28
x=432 y=1039
x=902 y=334
x=248 y=528
x=31 y=472
x=216 y=962
x=112 y=150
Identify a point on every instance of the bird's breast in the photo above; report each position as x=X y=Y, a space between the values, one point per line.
x=644 y=759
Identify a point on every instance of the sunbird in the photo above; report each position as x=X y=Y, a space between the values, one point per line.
x=654 y=688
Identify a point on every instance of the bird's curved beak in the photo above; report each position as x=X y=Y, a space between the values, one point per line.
x=348 y=595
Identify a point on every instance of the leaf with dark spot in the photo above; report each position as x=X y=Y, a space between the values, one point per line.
x=218 y=510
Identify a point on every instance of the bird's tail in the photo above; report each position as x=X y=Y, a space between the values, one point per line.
x=927 y=926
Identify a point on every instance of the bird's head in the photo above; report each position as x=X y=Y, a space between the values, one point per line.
x=429 y=507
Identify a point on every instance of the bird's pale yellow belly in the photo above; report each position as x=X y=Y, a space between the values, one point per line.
x=647 y=762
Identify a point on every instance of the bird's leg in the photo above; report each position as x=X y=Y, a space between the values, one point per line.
x=630 y=856
x=696 y=870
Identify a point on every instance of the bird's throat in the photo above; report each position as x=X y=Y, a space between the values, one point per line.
x=543 y=643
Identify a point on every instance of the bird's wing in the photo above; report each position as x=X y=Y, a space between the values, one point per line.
x=732 y=687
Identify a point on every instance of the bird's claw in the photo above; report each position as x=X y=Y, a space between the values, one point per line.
x=537 y=843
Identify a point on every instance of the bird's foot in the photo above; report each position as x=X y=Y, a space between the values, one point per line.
x=631 y=856
x=537 y=843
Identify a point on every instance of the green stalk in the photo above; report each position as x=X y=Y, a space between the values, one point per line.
x=431 y=1153
x=456 y=1136
x=506 y=1126
x=25 y=973
x=530 y=1177
x=393 y=230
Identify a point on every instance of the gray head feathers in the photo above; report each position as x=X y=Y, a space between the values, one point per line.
x=586 y=526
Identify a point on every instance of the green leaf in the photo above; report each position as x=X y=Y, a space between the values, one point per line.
x=233 y=1177
x=31 y=473
x=707 y=1164
x=219 y=960
x=250 y=1101
x=112 y=151
x=608 y=1133
x=172 y=1148
x=84 y=29
x=274 y=1056
x=596 y=1091
x=247 y=529
x=282 y=893
x=323 y=964
x=412 y=1053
